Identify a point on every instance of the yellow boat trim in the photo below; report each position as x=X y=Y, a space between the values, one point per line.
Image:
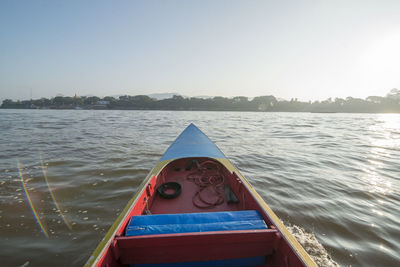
x=307 y=260
x=105 y=242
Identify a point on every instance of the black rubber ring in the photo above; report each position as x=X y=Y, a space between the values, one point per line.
x=170 y=185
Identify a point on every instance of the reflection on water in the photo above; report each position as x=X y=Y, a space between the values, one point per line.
x=30 y=202
x=385 y=139
x=67 y=175
x=53 y=198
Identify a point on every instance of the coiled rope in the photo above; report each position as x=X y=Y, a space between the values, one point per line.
x=208 y=176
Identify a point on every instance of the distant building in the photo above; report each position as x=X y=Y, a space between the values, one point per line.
x=101 y=104
x=104 y=103
x=394 y=94
x=375 y=99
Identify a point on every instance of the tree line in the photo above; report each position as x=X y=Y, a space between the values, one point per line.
x=372 y=104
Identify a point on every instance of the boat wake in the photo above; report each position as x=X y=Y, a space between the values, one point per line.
x=310 y=243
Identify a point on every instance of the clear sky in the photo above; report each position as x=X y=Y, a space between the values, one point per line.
x=311 y=49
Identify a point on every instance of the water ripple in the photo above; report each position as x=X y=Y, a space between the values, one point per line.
x=333 y=178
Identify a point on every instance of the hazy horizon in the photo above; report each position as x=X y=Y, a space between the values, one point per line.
x=310 y=50
x=164 y=95
x=28 y=96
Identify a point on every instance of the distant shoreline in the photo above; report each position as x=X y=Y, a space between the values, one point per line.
x=181 y=110
x=372 y=104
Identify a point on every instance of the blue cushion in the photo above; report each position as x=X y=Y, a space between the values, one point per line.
x=195 y=222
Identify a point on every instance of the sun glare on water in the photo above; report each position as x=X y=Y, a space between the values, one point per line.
x=386 y=140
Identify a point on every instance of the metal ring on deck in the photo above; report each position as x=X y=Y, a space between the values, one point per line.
x=170 y=185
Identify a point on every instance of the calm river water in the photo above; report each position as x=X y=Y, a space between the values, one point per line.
x=334 y=179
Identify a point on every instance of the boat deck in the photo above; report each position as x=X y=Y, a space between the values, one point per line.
x=246 y=245
x=176 y=172
x=227 y=247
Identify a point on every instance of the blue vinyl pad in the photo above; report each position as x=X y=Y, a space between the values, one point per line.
x=195 y=222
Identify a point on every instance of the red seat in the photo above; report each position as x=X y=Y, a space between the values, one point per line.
x=188 y=247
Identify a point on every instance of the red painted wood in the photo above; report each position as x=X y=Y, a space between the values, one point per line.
x=224 y=236
x=196 y=246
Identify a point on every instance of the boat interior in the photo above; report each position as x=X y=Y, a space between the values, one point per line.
x=196 y=212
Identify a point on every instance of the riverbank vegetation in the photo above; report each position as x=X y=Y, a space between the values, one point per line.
x=372 y=104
